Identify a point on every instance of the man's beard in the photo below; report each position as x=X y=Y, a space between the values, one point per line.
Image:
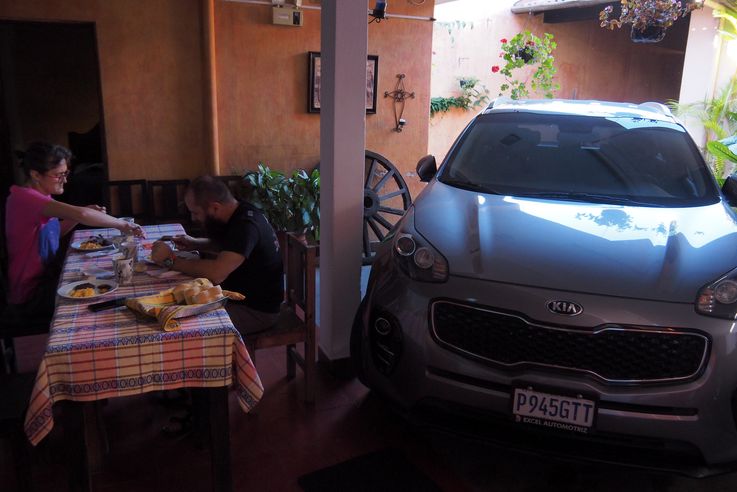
x=214 y=229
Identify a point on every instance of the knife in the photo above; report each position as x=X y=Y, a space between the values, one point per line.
x=111 y=304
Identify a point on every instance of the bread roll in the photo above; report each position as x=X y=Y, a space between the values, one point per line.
x=179 y=291
x=208 y=295
x=190 y=293
x=202 y=282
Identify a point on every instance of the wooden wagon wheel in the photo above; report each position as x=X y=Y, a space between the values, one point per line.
x=385 y=199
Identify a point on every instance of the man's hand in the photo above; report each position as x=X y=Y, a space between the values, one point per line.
x=160 y=251
x=184 y=242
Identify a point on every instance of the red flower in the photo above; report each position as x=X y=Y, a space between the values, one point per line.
x=495 y=69
x=504 y=40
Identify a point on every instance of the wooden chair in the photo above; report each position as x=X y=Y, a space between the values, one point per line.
x=13 y=325
x=296 y=322
x=15 y=394
x=128 y=198
x=166 y=201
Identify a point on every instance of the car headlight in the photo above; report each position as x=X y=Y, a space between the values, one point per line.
x=414 y=255
x=719 y=298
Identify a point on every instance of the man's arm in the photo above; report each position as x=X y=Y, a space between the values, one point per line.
x=216 y=270
x=185 y=242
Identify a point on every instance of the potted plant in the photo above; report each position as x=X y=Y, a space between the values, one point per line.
x=291 y=203
x=471 y=97
x=525 y=50
x=649 y=18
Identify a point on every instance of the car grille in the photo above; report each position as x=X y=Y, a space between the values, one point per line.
x=615 y=354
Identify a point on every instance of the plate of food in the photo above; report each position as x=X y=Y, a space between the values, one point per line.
x=93 y=243
x=87 y=289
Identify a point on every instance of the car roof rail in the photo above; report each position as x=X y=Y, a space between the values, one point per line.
x=499 y=100
x=656 y=107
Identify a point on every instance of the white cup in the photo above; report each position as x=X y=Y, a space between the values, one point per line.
x=123 y=268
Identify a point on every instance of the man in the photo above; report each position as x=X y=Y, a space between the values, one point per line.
x=247 y=253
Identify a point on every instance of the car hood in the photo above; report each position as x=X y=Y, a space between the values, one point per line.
x=641 y=252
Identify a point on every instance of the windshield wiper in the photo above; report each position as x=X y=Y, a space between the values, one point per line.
x=589 y=197
x=467 y=185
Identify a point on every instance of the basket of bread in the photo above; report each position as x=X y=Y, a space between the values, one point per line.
x=183 y=300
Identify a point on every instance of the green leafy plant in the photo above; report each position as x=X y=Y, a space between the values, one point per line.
x=291 y=203
x=525 y=50
x=649 y=18
x=718 y=116
x=471 y=97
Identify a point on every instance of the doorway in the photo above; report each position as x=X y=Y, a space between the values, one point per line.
x=50 y=90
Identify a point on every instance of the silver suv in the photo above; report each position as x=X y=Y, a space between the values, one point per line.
x=568 y=275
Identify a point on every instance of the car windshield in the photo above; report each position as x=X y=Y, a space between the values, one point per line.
x=618 y=160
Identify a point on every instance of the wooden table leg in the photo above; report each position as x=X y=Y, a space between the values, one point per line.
x=93 y=439
x=74 y=435
x=222 y=480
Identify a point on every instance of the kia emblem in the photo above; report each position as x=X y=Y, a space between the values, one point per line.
x=566 y=308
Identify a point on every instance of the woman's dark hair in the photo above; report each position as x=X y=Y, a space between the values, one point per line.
x=43 y=157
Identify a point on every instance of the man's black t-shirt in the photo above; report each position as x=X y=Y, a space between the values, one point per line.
x=260 y=277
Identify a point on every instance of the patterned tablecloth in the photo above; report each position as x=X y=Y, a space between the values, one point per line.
x=112 y=353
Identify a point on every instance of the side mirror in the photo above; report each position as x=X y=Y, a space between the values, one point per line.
x=427 y=168
x=729 y=189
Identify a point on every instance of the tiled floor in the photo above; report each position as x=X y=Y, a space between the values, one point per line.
x=285 y=439
x=270 y=449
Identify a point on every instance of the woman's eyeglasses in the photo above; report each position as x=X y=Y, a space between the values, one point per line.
x=60 y=176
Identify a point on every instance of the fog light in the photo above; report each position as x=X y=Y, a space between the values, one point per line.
x=424 y=258
x=726 y=292
x=405 y=245
x=382 y=326
x=385 y=341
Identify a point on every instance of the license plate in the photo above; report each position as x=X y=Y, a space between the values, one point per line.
x=553 y=411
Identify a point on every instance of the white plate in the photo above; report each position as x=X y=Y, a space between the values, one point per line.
x=65 y=290
x=77 y=245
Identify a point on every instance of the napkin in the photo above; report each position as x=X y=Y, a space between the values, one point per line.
x=164 y=308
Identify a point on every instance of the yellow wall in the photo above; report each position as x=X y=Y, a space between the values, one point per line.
x=153 y=87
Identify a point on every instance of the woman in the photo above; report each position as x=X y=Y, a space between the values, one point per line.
x=34 y=223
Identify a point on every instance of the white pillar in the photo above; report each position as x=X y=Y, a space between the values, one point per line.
x=344 y=47
x=700 y=66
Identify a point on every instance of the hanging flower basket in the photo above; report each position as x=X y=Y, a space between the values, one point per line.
x=527 y=51
x=650 y=19
x=650 y=34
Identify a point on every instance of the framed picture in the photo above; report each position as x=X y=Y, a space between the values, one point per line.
x=372 y=78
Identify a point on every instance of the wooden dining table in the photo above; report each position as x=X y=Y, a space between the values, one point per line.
x=92 y=356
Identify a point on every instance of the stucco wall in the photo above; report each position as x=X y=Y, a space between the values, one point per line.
x=151 y=67
x=262 y=80
x=151 y=77
x=593 y=63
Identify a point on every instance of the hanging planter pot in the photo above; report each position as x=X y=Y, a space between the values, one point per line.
x=526 y=54
x=649 y=34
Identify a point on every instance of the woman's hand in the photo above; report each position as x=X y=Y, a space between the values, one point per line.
x=130 y=228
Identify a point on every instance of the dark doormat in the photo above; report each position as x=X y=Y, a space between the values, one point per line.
x=387 y=470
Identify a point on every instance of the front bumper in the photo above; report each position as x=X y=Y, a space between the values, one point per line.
x=695 y=417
